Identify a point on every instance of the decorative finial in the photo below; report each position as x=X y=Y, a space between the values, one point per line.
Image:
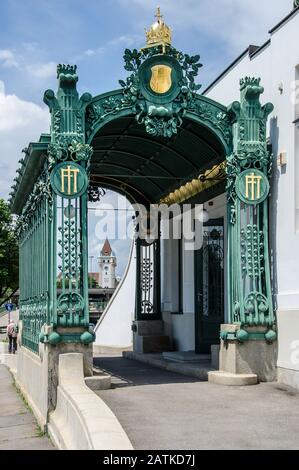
x=296 y=3
x=159 y=33
x=158 y=14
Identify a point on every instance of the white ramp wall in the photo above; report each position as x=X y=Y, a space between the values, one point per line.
x=113 y=330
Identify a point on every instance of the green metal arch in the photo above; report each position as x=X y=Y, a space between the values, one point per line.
x=204 y=111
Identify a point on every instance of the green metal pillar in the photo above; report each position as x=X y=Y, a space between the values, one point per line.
x=68 y=165
x=248 y=169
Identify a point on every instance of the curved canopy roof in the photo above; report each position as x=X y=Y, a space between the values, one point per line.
x=147 y=168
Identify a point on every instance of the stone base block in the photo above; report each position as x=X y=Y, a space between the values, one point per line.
x=288 y=377
x=226 y=378
x=148 y=327
x=149 y=337
x=98 y=382
x=152 y=344
x=253 y=356
x=215 y=351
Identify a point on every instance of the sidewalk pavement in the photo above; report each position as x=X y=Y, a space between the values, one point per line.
x=18 y=427
x=160 y=409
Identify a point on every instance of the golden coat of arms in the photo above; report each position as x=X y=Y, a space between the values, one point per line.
x=161 y=78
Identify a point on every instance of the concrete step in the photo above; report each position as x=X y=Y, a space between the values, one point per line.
x=186 y=357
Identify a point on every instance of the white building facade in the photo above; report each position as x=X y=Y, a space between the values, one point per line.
x=277 y=64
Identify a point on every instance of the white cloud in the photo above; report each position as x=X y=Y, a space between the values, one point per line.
x=44 y=71
x=8 y=59
x=236 y=23
x=18 y=114
x=20 y=122
x=125 y=40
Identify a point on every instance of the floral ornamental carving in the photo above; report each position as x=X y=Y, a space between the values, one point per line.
x=75 y=151
x=163 y=119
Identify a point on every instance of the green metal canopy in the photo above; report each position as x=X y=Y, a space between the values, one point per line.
x=148 y=167
x=145 y=140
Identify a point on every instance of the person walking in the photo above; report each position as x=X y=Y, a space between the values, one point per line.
x=12 y=334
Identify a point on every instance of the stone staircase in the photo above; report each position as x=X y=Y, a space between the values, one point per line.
x=149 y=337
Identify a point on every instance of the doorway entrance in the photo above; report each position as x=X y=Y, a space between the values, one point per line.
x=209 y=286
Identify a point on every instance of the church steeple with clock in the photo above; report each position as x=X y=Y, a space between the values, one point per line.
x=107 y=264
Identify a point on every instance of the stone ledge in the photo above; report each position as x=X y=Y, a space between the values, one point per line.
x=226 y=378
x=81 y=419
x=288 y=377
x=100 y=382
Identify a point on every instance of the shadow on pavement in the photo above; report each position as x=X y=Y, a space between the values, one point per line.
x=126 y=372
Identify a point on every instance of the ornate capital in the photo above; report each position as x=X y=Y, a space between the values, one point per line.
x=67 y=109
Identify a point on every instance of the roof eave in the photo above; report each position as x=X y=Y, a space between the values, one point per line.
x=33 y=165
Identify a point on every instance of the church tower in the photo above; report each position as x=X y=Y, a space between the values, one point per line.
x=107 y=265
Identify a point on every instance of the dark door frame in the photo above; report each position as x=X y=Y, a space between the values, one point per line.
x=202 y=344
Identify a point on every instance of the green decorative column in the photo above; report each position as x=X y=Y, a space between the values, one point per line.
x=248 y=170
x=248 y=343
x=68 y=162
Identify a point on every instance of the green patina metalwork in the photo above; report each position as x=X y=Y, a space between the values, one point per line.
x=242 y=336
x=249 y=287
x=53 y=221
x=69 y=153
x=34 y=230
x=161 y=114
x=45 y=231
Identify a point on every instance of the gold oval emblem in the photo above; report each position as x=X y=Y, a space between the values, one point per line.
x=161 y=78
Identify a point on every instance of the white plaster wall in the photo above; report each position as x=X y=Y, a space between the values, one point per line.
x=288 y=339
x=276 y=64
x=32 y=378
x=288 y=347
x=181 y=328
x=113 y=330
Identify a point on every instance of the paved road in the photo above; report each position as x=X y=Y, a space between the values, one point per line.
x=18 y=428
x=164 y=410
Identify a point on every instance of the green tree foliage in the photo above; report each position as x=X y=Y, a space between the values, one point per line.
x=92 y=283
x=9 y=254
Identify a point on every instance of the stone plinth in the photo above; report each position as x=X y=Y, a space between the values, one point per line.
x=149 y=337
x=253 y=357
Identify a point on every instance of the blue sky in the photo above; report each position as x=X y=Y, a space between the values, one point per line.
x=35 y=35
